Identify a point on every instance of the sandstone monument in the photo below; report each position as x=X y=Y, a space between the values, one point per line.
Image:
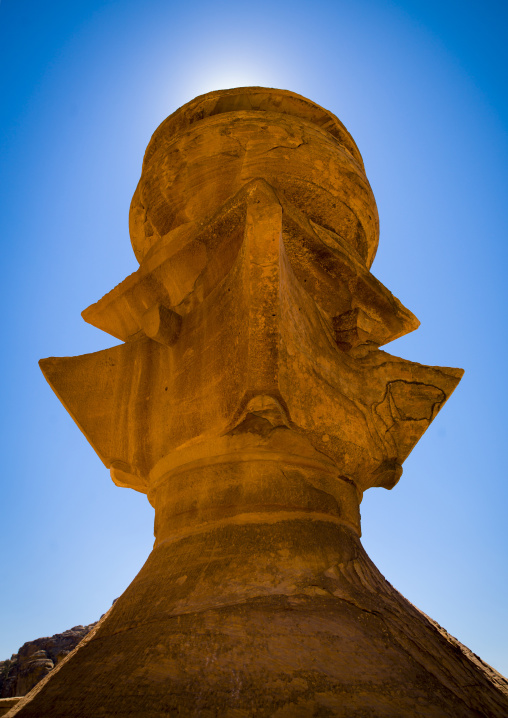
x=252 y=404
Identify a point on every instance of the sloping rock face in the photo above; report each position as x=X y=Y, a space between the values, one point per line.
x=35 y=659
x=7 y=704
x=235 y=636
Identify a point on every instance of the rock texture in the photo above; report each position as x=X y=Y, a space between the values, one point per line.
x=35 y=659
x=251 y=402
x=7 y=704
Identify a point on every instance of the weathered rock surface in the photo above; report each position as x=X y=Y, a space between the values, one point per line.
x=6 y=704
x=253 y=405
x=35 y=659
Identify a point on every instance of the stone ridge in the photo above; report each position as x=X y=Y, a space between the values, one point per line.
x=35 y=659
x=260 y=99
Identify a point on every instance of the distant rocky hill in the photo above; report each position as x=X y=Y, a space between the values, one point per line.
x=35 y=659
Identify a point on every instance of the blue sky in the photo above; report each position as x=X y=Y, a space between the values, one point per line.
x=421 y=86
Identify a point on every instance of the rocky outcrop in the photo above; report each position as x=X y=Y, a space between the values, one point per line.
x=251 y=402
x=35 y=659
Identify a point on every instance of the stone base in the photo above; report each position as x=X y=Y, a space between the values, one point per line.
x=300 y=623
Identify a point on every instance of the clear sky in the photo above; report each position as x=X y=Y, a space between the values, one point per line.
x=422 y=87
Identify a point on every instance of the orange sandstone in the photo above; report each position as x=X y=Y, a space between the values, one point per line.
x=252 y=404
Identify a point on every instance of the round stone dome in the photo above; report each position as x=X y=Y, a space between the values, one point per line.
x=204 y=153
